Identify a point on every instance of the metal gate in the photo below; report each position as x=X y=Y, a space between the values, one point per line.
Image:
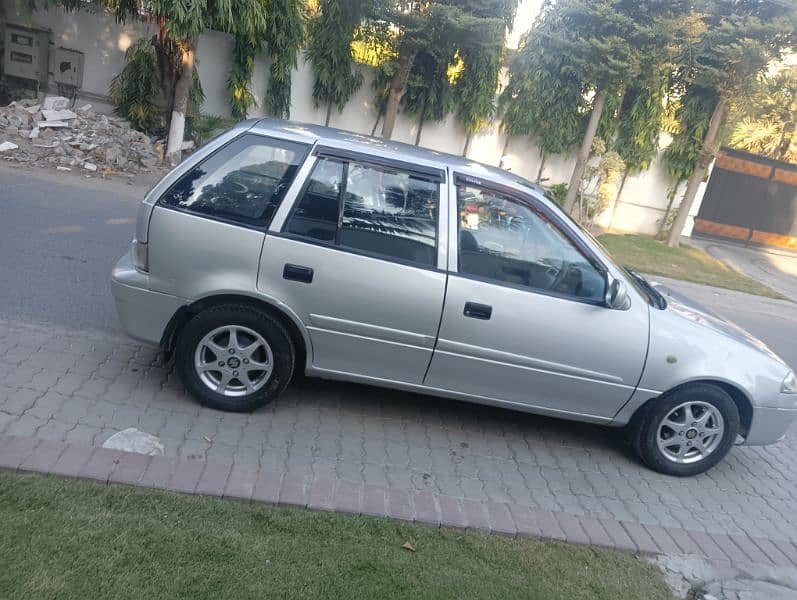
x=750 y=198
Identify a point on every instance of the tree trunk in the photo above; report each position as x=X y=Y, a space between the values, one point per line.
x=398 y=86
x=704 y=160
x=468 y=139
x=376 y=123
x=504 y=151
x=421 y=119
x=181 y=90
x=617 y=199
x=166 y=52
x=583 y=154
x=329 y=115
x=543 y=156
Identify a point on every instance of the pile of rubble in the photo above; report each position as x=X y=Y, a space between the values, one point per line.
x=52 y=134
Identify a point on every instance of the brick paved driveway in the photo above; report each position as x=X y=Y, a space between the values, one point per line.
x=67 y=385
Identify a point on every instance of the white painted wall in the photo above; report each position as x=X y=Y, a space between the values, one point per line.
x=640 y=208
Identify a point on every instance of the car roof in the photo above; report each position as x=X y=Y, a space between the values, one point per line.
x=357 y=142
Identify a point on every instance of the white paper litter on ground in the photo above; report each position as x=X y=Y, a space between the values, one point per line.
x=133 y=440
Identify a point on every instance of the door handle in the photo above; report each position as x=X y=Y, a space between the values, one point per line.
x=298 y=273
x=475 y=310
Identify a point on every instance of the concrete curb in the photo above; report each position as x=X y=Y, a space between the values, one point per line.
x=208 y=478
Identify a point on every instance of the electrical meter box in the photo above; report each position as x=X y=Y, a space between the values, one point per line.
x=67 y=68
x=26 y=52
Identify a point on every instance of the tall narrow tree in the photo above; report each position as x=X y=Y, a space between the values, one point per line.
x=603 y=44
x=330 y=54
x=543 y=99
x=737 y=42
x=412 y=27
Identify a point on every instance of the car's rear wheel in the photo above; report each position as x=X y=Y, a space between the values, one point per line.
x=234 y=357
x=687 y=431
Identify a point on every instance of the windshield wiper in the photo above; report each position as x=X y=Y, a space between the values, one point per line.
x=656 y=297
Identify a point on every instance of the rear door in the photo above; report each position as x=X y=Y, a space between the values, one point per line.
x=359 y=260
x=524 y=319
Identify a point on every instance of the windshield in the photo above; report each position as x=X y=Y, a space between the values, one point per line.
x=632 y=278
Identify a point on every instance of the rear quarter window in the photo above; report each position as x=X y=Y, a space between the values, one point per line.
x=243 y=181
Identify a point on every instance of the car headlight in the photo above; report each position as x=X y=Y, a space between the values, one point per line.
x=789 y=385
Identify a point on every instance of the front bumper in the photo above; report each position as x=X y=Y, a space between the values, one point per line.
x=769 y=425
x=144 y=314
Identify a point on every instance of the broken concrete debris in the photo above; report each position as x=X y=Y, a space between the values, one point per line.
x=50 y=133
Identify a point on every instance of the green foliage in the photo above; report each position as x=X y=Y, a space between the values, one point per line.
x=134 y=90
x=606 y=43
x=765 y=122
x=693 y=116
x=202 y=128
x=330 y=53
x=728 y=47
x=543 y=99
x=639 y=125
x=607 y=125
x=436 y=28
x=284 y=34
x=239 y=81
x=429 y=92
x=557 y=192
x=476 y=86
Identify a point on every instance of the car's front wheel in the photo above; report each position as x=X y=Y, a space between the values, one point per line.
x=234 y=357
x=688 y=430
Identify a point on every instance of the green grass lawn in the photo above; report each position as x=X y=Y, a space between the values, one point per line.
x=69 y=539
x=647 y=255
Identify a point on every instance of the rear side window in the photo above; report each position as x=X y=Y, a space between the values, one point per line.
x=244 y=181
x=377 y=210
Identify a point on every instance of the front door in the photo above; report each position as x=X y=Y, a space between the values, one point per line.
x=357 y=261
x=524 y=320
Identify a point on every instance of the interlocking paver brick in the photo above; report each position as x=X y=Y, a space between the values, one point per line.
x=377 y=441
x=72 y=460
x=186 y=478
x=43 y=458
x=348 y=497
x=571 y=525
x=772 y=552
x=241 y=482
x=374 y=500
x=14 y=450
x=159 y=472
x=130 y=468
x=500 y=518
x=475 y=514
x=100 y=465
x=214 y=479
x=595 y=532
x=399 y=505
x=618 y=534
x=322 y=494
x=294 y=489
x=709 y=547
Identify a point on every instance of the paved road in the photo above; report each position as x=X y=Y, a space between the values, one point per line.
x=776 y=267
x=60 y=234
x=66 y=375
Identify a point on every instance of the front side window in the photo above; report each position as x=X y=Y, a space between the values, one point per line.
x=505 y=240
x=377 y=210
x=244 y=181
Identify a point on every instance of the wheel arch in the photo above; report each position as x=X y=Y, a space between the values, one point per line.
x=282 y=313
x=739 y=397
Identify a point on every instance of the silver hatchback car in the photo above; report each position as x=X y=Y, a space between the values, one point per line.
x=282 y=245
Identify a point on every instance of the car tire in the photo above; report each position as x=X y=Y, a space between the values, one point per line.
x=225 y=374
x=687 y=431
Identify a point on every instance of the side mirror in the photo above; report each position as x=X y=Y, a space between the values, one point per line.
x=616 y=294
